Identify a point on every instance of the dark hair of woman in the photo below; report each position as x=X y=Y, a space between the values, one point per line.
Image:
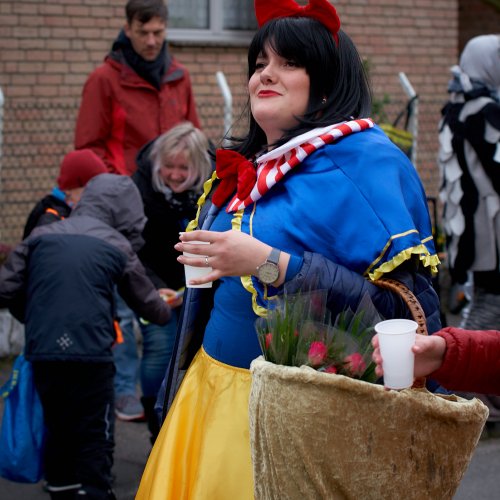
x=336 y=73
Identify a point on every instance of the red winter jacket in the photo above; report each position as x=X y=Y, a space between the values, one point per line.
x=120 y=111
x=471 y=362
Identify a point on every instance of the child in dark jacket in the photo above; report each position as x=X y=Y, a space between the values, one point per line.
x=59 y=281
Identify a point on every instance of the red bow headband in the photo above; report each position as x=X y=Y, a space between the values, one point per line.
x=321 y=10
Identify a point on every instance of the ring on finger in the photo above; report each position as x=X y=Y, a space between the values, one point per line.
x=206 y=261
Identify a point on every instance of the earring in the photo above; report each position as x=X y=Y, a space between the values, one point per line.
x=323 y=101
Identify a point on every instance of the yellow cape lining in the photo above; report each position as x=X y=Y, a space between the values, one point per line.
x=420 y=250
x=246 y=281
x=207 y=187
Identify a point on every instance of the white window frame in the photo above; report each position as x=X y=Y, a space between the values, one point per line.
x=215 y=34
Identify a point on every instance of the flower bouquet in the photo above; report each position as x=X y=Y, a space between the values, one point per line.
x=299 y=331
x=320 y=429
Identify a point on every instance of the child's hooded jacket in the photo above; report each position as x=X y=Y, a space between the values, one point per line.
x=60 y=280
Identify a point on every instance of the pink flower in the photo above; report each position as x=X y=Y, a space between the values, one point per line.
x=355 y=363
x=331 y=369
x=317 y=353
x=269 y=338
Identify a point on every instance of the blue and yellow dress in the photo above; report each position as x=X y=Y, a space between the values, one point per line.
x=360 y=203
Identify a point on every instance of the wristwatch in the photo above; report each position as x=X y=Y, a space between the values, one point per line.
x=269 y=271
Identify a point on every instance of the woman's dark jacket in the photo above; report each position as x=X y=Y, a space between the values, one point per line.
x=165 y=219
x=61 y=279
x=345 y=288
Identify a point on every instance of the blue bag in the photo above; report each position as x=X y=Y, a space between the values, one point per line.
x=22 y=435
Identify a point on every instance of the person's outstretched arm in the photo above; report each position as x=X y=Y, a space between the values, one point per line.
x=13 y=276
x=471 y=361
x=461 y=360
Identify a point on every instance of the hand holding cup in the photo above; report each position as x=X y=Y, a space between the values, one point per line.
x=396 y=338
x=194 y=272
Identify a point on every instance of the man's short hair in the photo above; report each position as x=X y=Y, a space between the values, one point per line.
x=145 y=10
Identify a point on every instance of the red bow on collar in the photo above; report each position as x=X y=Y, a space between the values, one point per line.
x=236 y=174
x=321 y=10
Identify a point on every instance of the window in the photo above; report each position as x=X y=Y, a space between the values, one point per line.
x=211 y=20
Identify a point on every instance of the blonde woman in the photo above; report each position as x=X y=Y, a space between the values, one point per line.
x=170 y=174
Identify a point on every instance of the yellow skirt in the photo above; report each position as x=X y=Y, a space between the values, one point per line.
x=203 y=449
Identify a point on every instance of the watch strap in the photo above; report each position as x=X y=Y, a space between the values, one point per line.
x=274 y=256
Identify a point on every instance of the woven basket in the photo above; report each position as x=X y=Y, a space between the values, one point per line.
x=316 y=435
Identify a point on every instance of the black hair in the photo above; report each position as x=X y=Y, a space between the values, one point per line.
x=145 y=10
x=336 y=74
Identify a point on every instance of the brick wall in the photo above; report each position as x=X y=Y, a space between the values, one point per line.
x=48 y=49
x=477 y=17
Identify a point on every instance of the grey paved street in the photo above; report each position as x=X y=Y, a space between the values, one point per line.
x=481 y=481
x=132 y=448
x=131 y=452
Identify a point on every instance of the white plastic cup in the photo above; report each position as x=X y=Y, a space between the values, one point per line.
x=193 y=272
x=396 y=338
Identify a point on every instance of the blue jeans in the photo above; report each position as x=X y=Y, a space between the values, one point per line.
x=158 y=343
x=125 y=355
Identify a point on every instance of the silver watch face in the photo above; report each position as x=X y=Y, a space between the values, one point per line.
x=268 y=273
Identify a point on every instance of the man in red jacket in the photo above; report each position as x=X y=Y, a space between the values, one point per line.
x=139 y=92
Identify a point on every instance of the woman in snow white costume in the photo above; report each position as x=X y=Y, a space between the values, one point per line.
x=314 y=195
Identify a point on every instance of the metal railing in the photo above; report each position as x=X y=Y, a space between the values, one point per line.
x=228 y=103
x=413 y=121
